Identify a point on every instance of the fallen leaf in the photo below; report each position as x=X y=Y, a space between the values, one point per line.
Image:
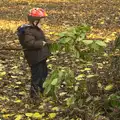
x=29 y=114
x=109 y=87
x=18 y=117
x=38 y=115
x=52 y=115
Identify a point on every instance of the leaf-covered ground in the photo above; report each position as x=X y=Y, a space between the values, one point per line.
x=102 y=15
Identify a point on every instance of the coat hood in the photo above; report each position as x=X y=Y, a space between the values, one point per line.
x=21 y=29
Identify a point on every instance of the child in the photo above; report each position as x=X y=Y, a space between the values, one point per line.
x=36 y=49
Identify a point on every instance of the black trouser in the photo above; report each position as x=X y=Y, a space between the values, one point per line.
x=39 y=73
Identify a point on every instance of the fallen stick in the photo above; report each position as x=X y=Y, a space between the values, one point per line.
x=11 y=49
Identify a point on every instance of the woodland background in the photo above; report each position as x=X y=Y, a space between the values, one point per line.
x=91 y=102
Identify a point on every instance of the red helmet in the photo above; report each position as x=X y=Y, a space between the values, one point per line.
x=36 y=14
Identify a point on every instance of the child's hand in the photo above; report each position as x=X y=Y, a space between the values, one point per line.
x=44 y=43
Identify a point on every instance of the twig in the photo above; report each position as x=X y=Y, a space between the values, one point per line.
x=11 y=49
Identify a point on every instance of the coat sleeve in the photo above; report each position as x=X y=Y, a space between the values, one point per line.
x=30 y=42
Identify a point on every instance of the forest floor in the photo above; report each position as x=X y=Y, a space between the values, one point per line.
x=102 y=15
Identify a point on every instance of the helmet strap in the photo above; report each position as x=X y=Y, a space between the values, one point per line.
x=36 y=23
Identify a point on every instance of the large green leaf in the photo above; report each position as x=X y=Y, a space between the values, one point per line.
x=54 y=82
x=83 y=35
x=94 y=46
x=77 y=54
x=78 y=39
x=62 y=34
x=65 y=40
x=47 y=82
x=87 y=42
x=101 y=43
x=61 y=74
x=72 y=34
x=47 y=89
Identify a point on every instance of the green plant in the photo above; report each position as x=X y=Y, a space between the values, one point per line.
x=57 y=76
x=114 y=100
x=74 y=41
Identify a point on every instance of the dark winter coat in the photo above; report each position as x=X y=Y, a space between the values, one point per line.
x=31 y=38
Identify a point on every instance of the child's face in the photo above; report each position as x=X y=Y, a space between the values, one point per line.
x=39 y=23
x=36 y=22
x=42 y=21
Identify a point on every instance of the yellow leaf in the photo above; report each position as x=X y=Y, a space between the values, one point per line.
x=90 y=76
x=51 y=33
x=38 y=115
x=62 y=93
x=3 y=110
x=7 y=115
x=108 y=40
x=4 y=98
x=17 y=101
x=15 y=67
x=46 y=26
x=16 y=86
x=79 y=77
x=18 y=117
x=13 y=76
x=99 y=85
x=113 y=34
x=87 y=69
x=41 y=106
x=29 y=114
x=22 y=93
x=52 y=115
x=2 y=74
x=18 y=83
x=102 y=21
x=55 y=109
x=109 y=87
